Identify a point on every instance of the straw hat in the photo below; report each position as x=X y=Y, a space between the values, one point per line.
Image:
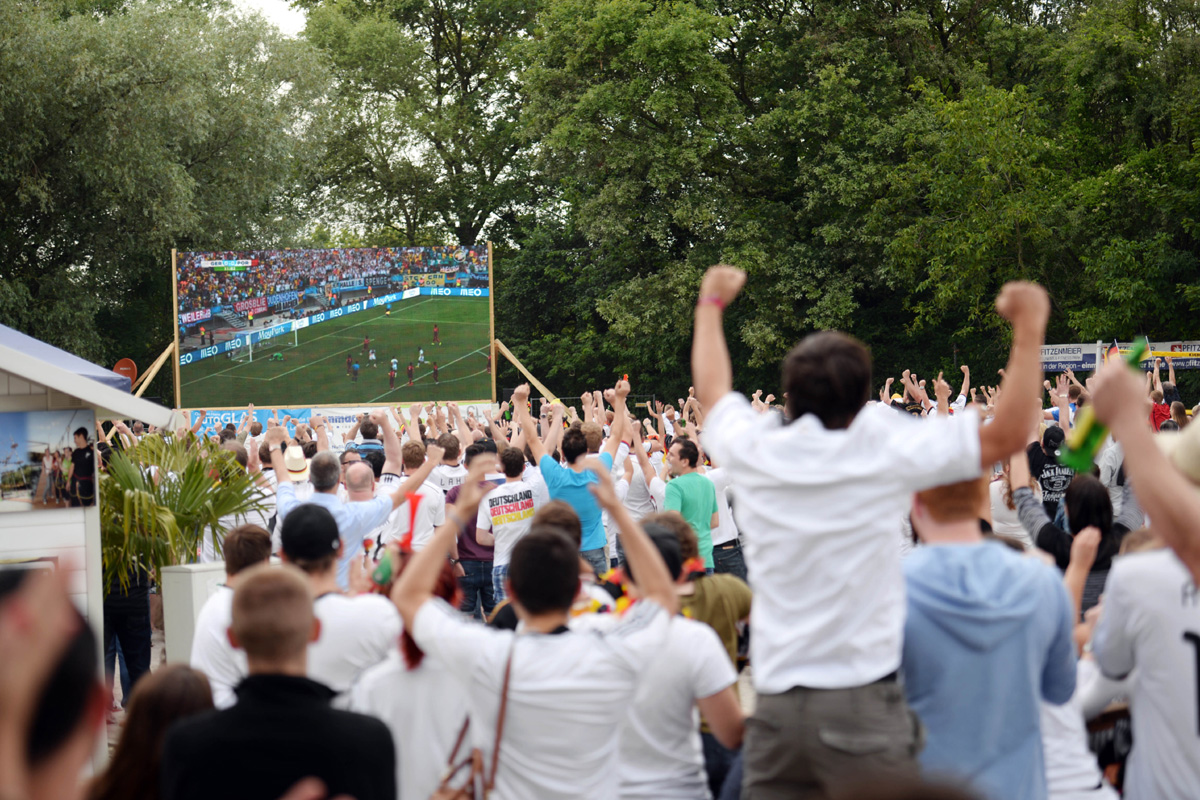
x=296 y=463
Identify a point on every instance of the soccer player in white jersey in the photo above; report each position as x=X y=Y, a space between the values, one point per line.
x=1150 y=618
x=421 y=355
x=371 y=358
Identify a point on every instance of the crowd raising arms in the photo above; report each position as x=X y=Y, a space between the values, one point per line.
x=820 y=628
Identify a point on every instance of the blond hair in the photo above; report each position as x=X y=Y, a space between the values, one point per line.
x=272 y=612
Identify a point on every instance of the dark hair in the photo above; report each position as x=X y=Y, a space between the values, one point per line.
x=309 y=449
x=245 y=546
x=255 y=428
x=324 y=471
x=574 y=444
x=81 y=431
x=368 y=429
x=1088 y=503
x=544 y=571
x=687 y=451
x=474 y=449
x=449 y=442
x=160 y=699
x=375 y=458
x=673 y=521
x=828 y=374
x=1052 y=439
x=667 y=543
x=559 y=514
x=226 y=435
x=1168 y=425
x=264 y=453
x=64 y=698
x=513 y=461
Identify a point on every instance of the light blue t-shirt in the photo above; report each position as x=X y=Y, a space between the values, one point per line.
x=987 y=638
x=571 y=487
x=354 y=520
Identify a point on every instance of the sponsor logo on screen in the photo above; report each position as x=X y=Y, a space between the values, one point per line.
x=255 y=305
x=199 y=315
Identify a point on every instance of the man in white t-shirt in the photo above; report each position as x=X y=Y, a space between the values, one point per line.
x=504 y=517
x=568 y=690
x=661 y=755
x=450 y=472
x=430 y=510
x=356 y=632
x=1150 y=618
x=818 y=498
x=212 y=653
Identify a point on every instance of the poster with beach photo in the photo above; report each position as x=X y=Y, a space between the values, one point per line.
x=44 y=464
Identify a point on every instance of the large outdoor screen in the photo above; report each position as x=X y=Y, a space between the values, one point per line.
x=330 y=327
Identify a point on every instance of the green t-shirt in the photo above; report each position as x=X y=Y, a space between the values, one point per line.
x=695 y=497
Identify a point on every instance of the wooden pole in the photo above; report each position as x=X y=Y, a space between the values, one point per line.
x=492 y=320
x=175 y=326
x=499 y=345
x=155 y=367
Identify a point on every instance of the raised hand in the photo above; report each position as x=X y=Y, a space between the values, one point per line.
x=723 y=283
x=435 y=453
x=1024 y=304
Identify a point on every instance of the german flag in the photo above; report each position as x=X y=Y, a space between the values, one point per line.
x=1113 y=351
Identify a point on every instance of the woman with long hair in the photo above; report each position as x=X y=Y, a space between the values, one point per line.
x=1005 y=521
x=1088 y=505
x=419 y=700
x=159 y=700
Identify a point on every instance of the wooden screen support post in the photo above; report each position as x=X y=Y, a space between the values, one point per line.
x=504 y=351
x=148 y=375
x=143 y=381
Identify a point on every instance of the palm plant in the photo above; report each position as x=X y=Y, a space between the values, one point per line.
x=151 y=523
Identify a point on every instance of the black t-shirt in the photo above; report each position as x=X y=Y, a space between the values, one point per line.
x=84 y=461
x=1053 y=477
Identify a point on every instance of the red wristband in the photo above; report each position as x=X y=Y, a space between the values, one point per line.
x=711 y=299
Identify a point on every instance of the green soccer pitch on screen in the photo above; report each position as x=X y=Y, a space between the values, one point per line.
x=329 y=327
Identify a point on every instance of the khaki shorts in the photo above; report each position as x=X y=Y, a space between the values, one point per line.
x=808 y=743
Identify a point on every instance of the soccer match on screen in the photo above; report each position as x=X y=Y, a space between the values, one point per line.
x=351 y=325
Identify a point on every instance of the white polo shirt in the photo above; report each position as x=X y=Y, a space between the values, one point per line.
x=818 y=510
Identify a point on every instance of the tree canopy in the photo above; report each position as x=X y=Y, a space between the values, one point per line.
x=876 y=167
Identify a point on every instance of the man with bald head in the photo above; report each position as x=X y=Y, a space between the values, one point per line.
x=354 y=519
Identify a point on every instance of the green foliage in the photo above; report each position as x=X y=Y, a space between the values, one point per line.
x=876 y=167
x=159 y=125
x=157 y=501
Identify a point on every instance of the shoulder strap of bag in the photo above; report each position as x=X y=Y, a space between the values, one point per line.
x=491 y=779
